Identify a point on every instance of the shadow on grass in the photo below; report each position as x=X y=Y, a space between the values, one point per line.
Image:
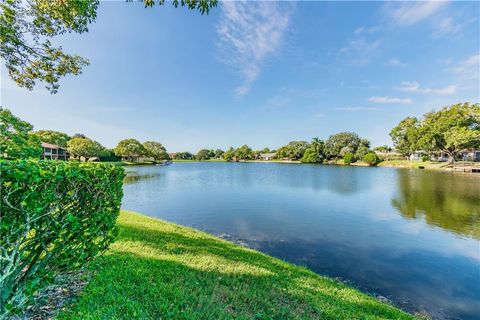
x=156 y=270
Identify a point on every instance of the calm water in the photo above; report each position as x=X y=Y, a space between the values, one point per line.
x=409 y=235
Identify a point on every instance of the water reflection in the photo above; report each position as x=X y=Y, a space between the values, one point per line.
x=133 y=177
x=442 y=199
x=338 y=221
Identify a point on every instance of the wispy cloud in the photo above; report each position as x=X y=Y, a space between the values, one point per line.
x=390 y=100
x=447 y=25
x=414 y=86
x=250 y=32
x=410 y=13
x=394 y=62
x=367 y=30
x=360 y=51
x=467 y=66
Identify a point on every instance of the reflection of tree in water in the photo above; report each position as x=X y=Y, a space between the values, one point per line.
x=346 y=180
x=133 y=177
x=449 y=201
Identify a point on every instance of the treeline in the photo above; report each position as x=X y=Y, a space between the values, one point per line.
x=19 y=141
x=449 y=130
x=344 y=145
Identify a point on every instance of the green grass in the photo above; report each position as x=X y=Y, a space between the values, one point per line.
x=159 y=270
x=412 y=164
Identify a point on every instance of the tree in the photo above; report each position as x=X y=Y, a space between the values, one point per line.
x=156 y=150
x=349 y=158
x=229 y=154
x=362 y=149
x=16 y=142
x=244 y=153
x=219 y=153
x=405 y=136
x=315 y=153
x=85 y=147
x=339 y=144
x=371 y=159
x=451 y=129
x=53 y=137
x=130 y=148
x=79 y=135
x=184 y=156
x=294 y=150
x=383 y=149
x=27 y=26
x=203 y=154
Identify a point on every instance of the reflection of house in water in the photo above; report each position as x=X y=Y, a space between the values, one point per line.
x=54 y=152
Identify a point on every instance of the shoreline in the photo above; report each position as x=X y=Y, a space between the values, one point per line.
x=168 y=262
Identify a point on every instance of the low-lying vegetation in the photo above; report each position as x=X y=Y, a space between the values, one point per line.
x=55 y=216
x=159 y=270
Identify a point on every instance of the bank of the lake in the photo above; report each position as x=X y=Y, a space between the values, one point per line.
x=157 y=269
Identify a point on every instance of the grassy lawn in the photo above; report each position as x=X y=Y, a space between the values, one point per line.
x=159 y=270
x=412 y=164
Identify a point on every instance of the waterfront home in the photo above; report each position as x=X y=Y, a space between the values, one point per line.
x=469 y=155
x=172 y=155
x=266 y=156
x=54 y=152
x=417 y=155
x=389 y=155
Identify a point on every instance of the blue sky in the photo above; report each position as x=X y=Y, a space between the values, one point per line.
x=259 y=73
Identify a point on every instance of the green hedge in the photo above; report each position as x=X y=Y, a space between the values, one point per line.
x=54 y=216
x=371 y=159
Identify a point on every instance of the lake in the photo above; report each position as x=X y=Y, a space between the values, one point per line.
x=412 y=236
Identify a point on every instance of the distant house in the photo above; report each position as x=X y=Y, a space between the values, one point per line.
x=172 y=155
x=417 y=155
x=469 y=155
x=464 y=155
x=266 y=156
x=389 y=155
x=54 y=152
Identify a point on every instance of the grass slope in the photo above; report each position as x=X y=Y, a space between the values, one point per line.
x=413 y=164
x=159 y=270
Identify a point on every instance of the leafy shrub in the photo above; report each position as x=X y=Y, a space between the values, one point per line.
x=348 y=158
x=310 y=156
x=55 y=216
x=425 y=158
x=371 y=159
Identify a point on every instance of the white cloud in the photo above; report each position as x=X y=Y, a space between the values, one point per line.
x=447 y=25
x=367 y=30
x=469 y=65
x=394 y=62
x=410 y=13
x=414 y=86
x=390 y=100
x=360 y=51
x=249 y=33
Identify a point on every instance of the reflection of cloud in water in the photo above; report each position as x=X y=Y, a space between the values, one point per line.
x=388 y=230
x=383 y=271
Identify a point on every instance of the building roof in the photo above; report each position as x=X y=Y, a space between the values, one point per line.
x=52 y=146
x=271 y=154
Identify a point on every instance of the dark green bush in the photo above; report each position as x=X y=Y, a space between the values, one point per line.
x=348 y=158
x=55 y=216
x=371 y=159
